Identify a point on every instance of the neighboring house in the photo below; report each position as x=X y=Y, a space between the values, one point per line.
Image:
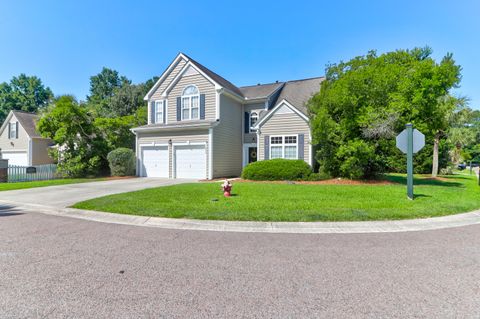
x=20 y=142
x=203 y=126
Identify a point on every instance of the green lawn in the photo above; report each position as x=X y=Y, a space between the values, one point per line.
x=287 y=202
x=23 y=185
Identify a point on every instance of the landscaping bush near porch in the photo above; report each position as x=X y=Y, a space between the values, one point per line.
x=277 y=170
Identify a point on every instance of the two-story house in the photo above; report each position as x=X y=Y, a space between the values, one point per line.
x=202 y=126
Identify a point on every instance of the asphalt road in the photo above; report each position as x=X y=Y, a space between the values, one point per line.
x=58 y=267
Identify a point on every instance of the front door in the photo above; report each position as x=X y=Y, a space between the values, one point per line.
x=252 y=154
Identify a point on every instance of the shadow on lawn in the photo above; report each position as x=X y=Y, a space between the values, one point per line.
x=425 y=181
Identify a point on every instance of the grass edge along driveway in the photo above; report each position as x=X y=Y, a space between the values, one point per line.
x=53 y=182
x=298 y=202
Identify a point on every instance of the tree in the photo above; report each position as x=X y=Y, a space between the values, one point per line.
x=25 y=93
x=364 y=102
x=102 y=87
x=72 y=129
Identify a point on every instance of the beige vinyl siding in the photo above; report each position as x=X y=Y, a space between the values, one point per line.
x=260 y=109
x=20 y=144
x=157 y=95
x=285 y=124
x=200 y=136
x=40 y=147
x=227 y=139
x=203 y=85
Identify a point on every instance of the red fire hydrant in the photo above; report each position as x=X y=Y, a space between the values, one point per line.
x=227 y=188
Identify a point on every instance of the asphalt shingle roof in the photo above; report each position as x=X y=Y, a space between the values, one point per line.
x=28 y=122
x=217 y=78
x=260 y=90
x=298 y=92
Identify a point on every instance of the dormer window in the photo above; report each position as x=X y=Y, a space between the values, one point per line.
x=190 y=103
x=253 y=119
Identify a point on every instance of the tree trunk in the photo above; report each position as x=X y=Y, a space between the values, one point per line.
x=436 y=142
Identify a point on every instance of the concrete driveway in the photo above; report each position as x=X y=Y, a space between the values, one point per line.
x=58 y=267
x=67 y=195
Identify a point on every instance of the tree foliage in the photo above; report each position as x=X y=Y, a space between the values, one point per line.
x=365 y=102
x=25 y=93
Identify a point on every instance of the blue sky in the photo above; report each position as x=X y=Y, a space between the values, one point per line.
x=247 y=42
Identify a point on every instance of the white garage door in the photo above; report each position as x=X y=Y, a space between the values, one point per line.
x=155 y=161
x=190 y=161
x=16 y=158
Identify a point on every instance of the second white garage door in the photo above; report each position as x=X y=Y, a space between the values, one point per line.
x=155 y=161
x=190 y=161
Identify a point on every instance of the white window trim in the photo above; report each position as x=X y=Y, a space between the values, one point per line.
x=160 y=103
x=251 y=130
x=190 y=100
x=283 y=145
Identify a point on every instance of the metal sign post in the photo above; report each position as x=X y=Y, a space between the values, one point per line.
x=410 y=141
x=409 y=128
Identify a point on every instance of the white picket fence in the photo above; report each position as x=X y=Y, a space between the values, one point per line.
x=21 y=174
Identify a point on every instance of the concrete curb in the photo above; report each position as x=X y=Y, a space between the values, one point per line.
x=449 y=221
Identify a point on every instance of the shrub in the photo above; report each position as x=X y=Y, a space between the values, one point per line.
x=357 y=160
x=121 y=162
x=277 y=170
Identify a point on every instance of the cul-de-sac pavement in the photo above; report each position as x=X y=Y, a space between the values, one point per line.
x=56 y=266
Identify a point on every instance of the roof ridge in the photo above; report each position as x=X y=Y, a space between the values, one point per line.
x=262 y=84
x=201 y=66
x=306 y=79
x=24 y=112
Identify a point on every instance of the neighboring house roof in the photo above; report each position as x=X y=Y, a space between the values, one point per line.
x=27 y=120
x=260 y=91
x=298 y=92
x=217 y=78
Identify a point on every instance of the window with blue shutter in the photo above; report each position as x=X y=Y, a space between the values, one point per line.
x=301 y=148
x=267 y=147
x=202 y=106
x=179 y=108
x=247 y=122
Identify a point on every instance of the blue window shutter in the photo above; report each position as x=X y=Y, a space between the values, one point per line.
x=202 y=106
x=179 y=108
x=247 y=122
x=152 y=112
x=164 y=111
x=301 y=148
x=9 y=130
x=267 y=147
x=16 y=130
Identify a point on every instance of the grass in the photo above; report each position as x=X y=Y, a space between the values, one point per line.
x=54 y=182
x=287 y=202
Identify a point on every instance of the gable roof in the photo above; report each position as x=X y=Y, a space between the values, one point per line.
x=27 y=120
x=215 y=77
x=260 y=91
x=298 y=92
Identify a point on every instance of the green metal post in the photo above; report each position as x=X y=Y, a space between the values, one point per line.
x=409 y=161
x=471 y=168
